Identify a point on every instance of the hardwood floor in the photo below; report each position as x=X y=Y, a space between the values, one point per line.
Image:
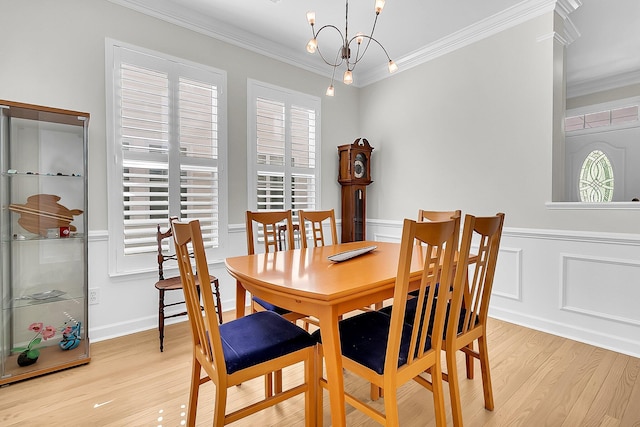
x=538 y=380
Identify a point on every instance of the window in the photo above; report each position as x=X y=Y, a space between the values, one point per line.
x=596 y=119
x=596 y=178
x=167 y=143
x=284 y=149
x=601 y=152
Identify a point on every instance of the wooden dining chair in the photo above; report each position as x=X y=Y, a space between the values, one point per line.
x=241 y=349
x=467 y=321
x=387 y=351
x=267 y=226
x=424 y=215
x=312 y=224
x=167 y=284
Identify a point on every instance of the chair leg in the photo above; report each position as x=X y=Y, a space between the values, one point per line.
x=438 y=395
x=319 y=389
x=193 y=394
x=220 y=406
x=161 y=318
x=486 y=374
x=376 y=392
x=310 y=379
x=469 y=361
x=216 y=287
x=391 y=408
x=454 y=387
x=277 y=382
x=268 y=385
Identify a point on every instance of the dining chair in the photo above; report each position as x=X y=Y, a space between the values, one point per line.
x=467 y=318
x=424 y=215
x=316 y=221
x=266 y=226
x=387 y=351
x=241 y=349
x=167 y=284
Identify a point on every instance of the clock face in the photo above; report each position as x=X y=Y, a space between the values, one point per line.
x=358 y=168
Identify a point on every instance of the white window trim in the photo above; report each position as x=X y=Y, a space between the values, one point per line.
x=586 y=110
x=613 y=105
x=117 y=264
x=256 y=89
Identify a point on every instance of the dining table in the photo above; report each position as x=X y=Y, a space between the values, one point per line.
x=307 y=281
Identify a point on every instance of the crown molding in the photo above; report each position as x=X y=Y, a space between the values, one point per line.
x=508 y=18
x=220 y=30
x=604 y=83
x=501 y=21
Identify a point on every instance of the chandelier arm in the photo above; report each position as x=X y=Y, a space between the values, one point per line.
x=316 y=34
x=370 y=39
x=333 y=75
x=332 y=64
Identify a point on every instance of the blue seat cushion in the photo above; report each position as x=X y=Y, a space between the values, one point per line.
x=260 y=337
x=270 y=307
x=410 y=313
x=364 y=338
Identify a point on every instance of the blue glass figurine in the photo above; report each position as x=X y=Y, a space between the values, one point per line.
x=70 y=337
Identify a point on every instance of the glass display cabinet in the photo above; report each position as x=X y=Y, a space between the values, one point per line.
x=43 y=240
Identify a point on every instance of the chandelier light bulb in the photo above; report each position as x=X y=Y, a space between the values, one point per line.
x=359 y=38
x=312 y=45
x=347 y=78
x=392 y=67
x=379 y=6
x=311 y=18
x=330 y=91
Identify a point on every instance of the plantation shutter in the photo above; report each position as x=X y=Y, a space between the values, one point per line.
x=286 y=148
x=168 y=139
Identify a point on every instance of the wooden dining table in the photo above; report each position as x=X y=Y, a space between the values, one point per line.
x=306 y=281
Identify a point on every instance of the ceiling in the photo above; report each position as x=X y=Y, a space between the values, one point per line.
x=412 y=31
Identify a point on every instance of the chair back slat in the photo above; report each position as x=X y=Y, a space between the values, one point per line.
x=269 y=225
x=206 y=335
x=427 y=216
x=317 y=219
x=476 y=281
x=434 y=243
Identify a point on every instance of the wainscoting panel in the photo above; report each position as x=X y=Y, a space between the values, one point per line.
x=615 y=282
x=507 y=282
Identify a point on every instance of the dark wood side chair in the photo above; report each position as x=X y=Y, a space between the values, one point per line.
x=165 y=284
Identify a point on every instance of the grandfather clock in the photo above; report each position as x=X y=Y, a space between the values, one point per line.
x=354 y=175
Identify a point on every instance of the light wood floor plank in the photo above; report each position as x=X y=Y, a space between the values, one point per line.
x=603 y=400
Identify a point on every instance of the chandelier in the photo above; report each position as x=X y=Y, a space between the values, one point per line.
x=344 y=53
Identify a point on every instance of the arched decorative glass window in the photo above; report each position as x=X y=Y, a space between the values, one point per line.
x=596 y=178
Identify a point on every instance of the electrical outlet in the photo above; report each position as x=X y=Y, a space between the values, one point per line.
x=94 y=296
